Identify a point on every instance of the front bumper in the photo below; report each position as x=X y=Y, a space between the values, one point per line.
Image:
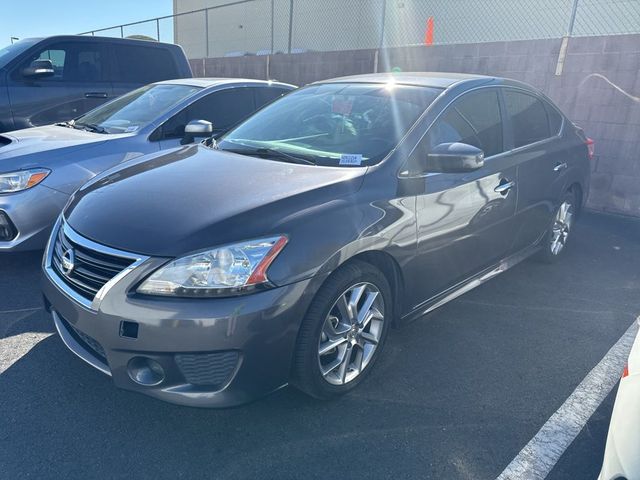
x=213 y=352
x=33 y=212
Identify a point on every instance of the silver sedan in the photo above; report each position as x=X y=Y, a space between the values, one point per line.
x=41 y=167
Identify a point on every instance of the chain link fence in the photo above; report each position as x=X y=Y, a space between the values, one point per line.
x=262 y=27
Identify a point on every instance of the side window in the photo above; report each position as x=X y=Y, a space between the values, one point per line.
x=528 y=118
x=265 y=95
x=72 y=62
x=223 y=109
x=555 y=119
x=473 y=119
x=57 y=58
x=142 y=65
x=90 y=64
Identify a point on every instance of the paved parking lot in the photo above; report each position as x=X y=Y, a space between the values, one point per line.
x=455 y=395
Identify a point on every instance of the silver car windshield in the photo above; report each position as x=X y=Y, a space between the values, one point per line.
x=135 y=110
x=336 y=124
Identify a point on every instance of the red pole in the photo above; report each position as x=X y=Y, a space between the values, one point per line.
x=428 y=36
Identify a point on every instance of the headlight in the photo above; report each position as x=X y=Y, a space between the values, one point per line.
x=22 y=180
x=221 y=271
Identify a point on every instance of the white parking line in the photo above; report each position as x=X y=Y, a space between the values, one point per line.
x=538 y=457
x=14 y=348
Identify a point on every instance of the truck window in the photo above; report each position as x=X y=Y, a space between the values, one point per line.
x=142 y=65
x=72 y=62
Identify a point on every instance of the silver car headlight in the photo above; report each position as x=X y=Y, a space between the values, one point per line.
x=227 y=270
x=22 y=180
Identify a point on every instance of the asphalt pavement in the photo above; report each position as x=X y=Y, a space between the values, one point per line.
x=455 y=395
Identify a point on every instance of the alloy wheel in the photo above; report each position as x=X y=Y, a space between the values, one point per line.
x=351 y=333
x=561 y=227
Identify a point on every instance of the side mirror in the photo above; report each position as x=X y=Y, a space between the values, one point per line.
x=199 y=128
x=454 y=158
x=39 y=68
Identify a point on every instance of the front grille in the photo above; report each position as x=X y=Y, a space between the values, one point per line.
x=91 y=269
x=208 y=369
x=86 y=341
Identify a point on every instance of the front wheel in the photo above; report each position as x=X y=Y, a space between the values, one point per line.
x=556 y=238
x=343 y=331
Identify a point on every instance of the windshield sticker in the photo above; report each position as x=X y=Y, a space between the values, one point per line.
x=351 y=159
x=342 y=106
x=131 y=129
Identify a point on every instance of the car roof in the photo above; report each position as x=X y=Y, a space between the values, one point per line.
x=215 y=82
x=103 y=39
x=423 y=79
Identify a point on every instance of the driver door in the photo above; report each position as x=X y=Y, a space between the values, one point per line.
x=465 y=221
x=79 y=84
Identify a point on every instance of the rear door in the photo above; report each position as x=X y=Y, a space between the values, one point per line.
x=138 y=65
x=465 y=221
x=79 y=84
x=538 y=151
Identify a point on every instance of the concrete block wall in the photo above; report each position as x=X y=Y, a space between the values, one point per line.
x=599 y=89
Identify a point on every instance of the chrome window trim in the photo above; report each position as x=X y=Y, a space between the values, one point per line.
x=91 y=245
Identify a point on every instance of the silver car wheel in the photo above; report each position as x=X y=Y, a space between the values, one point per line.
x=561 y=227
x=351 y=333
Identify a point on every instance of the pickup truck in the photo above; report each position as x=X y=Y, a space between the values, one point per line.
x=55 y=79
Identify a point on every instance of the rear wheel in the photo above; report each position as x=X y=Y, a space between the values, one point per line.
x=556 y=238
x=343 y=332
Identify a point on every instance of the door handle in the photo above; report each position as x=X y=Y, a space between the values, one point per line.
x=504 y=188
x=560 y=166
x=96 y=95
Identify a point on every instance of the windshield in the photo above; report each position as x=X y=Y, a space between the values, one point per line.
x=136 y=109
x=10 y=52
x=333 y=124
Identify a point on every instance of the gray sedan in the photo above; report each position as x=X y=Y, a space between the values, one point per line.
x=41 y=167
x=213 y=274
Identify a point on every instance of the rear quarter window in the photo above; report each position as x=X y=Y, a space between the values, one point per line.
x=529 y=119
x=139 y=64
x=555 y=119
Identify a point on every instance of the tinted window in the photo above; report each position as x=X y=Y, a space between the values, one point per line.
x=474 y=119
x=266 y=95
x=72 y=62
x=142 y=65
x=528 y=118
x=223 y=109
x=555 y=119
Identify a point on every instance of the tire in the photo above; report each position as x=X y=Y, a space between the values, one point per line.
x=554 y=243
x=331 y=327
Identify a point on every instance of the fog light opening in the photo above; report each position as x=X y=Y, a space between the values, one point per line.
x=7 y=230
x=145 y=371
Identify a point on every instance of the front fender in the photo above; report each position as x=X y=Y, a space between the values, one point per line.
x=335 y=232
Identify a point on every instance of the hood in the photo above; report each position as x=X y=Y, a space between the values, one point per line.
x=19 y=149
x=195 y=198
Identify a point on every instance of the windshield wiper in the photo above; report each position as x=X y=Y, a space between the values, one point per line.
x=69 y=124
x=92 y=127
x=272 y=153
